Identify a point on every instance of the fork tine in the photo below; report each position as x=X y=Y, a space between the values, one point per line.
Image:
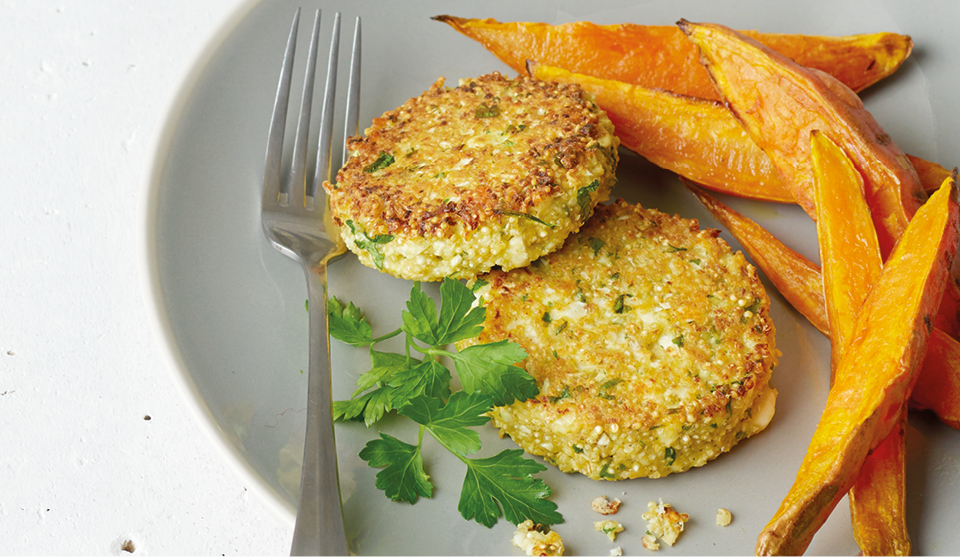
x=322 y=171
x=298 y=172
x=352 y=126
x=271 y=173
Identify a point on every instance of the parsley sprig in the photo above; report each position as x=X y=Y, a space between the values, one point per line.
x=416 y=385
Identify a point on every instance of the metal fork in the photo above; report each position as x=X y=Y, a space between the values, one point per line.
x=293 y=219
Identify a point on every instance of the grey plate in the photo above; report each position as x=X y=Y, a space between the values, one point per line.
x=232 y=308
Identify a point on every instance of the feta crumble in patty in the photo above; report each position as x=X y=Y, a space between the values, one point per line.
x=650 y=340
x=494 y=172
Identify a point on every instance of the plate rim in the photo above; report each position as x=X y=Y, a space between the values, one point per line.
x=149 y=268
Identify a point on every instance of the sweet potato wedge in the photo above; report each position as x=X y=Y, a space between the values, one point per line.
x=849 y=253
x=931 y=174
x=780 y=102
x=938 y=389
x=875 y=376
x=799 y=281
x=659 y=57
x=698 y=139
x=878 y=497
x=851 y=263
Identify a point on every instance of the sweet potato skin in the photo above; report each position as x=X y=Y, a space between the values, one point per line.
x=659 y=57
x=937 y=389
x=875 y=376
x=780 y=102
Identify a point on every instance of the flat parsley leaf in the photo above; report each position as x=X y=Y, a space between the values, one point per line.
x=420 y=318
x=370 y=407
x=420 y=390
x=449 y=423
x=429 y=378
x=384 y=366
x=403 y=479
x=458 y=319
x=488 y=368
x=504 y=485
x=348 y=324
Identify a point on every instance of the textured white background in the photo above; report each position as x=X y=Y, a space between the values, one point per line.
x=84 y=90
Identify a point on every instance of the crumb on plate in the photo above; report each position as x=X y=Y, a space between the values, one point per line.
x=664 y=522
x=533 y=541
x=609 y=527
x=603 y=505
x=724 y=517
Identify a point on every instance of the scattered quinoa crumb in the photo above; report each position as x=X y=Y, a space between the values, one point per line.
x=616 y=552
x=529 y=538
x=603 y=505
x=664 y=522
x=724 y=517
x=609 y=527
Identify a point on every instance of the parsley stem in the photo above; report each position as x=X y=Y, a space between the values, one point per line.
x=434 y=351
x=387 y=336
x=418 y=348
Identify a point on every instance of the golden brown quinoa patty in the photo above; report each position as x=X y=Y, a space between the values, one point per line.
x=651 y=342
x=494 y=172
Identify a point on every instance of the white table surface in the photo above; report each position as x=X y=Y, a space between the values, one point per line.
x=97 y=444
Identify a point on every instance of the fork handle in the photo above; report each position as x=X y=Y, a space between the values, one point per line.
x=319 y=528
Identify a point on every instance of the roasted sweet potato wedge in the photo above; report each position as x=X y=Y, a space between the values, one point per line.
x=938 y=387
x=659 y=57
x=878 y=497
x=698 y=139
x=931 y=174
x=875 y=376
x=780 y=102
x=851 y=262
x=849 y=253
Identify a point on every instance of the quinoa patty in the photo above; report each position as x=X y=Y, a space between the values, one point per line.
x=650 y=340
x=494 y=172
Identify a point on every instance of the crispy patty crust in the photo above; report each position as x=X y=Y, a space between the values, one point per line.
x=494 y=172
x=650 y=340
